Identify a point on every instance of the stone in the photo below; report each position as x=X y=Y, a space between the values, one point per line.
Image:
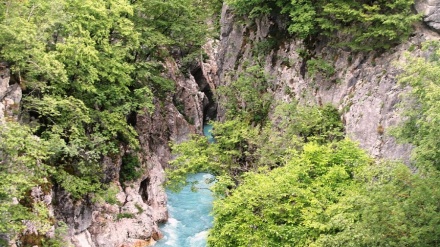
x=10 y=97
x=83 y=239
x=364 y=87
x=157 y=236
x=430 y=9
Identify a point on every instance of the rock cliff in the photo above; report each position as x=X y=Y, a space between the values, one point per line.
x=174 y=117
x=430 y=10
x=363 y=86
x=141 y=205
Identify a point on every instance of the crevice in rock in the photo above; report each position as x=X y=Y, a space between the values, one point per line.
x=143 y=189
x=123 y=204
x=209 y=103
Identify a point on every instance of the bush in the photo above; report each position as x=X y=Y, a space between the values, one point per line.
x=124 y=216
x=129 y=168
x=366 y=25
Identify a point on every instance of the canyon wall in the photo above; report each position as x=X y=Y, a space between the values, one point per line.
x=177 y=115
x=363 y=85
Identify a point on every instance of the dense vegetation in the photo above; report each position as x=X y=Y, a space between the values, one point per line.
x=300 y=184
x=293 y=180
x=85 y=67
x=330 y=195
x=286 y=176
x=422 y=128
x=362 y=24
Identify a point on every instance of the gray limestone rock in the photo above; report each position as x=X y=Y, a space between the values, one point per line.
x=142 y=203
x=364 y=87
x=430 y=9
x=10 y=97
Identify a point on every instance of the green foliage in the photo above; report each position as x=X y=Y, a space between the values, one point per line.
x=87 y=65
x=23 y=160
x=365 y=25
x=240 y=147
x=421 y=107
x=58 y=240
x=107 y=195
x=227 y=156
x=297 y=182
x=288 y=205
x=311 y=123
x=129 y=168
x=124 y=216
x=263 y=47
x=292 y=126
x=380 y=24
x=248 y=97
x=392 y=206
x=330 y=196
x=321 y=66
x=84 y=66
x=139 y=208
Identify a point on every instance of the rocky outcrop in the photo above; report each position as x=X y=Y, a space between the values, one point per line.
x=10 y=96
x=430 y=9
x=364 y=87
x=133 y=220
x=209 y=80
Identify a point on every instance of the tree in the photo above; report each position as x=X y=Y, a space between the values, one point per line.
x=364 y=25
x=240 y=147
x=84 y=66
x=23 y=166
x=421 y=107
x=248 y=97
x=392 y=206
x=288 y=206
x=330 y=195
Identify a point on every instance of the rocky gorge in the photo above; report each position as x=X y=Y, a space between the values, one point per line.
x=363 y=87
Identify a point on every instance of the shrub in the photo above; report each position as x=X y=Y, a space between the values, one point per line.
x=366 y=25
x=129 y=168
x=124 y=216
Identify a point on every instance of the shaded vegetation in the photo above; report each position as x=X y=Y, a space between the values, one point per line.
x=363 y=25
x=129 y=168
x=240 y=147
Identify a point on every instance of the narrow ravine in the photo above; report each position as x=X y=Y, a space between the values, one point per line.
x=189 y=211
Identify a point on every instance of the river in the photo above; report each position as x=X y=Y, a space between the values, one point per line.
x=189 y=212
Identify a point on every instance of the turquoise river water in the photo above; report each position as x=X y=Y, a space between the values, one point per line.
x=189 y=212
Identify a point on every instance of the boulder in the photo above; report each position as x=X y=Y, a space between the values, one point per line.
x=430 y=9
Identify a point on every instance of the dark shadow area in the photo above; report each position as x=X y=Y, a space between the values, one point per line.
x=143 y=190
x=209 y=104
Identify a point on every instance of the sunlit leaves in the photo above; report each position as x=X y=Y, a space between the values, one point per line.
x=422 y=108
x=330 y=196
x=240 y=147
x=84 y=67
x=288 y=205
x=23 y=165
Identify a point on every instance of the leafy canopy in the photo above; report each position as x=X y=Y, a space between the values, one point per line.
x=363 y=25
x=240 y=147
x=330 y=195
x=85 y=67
x=421 y=106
